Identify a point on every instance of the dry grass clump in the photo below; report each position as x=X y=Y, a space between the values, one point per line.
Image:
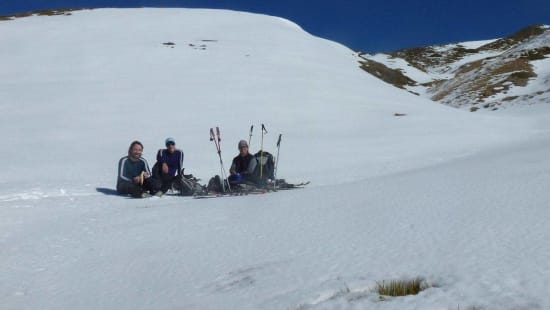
x=401 y=287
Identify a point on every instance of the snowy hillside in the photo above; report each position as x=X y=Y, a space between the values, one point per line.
x=458 y=199
x=488 y=74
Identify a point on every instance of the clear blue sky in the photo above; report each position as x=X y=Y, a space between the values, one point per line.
x=362 y=25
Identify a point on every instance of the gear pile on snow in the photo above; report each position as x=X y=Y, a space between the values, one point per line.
x=262 y=177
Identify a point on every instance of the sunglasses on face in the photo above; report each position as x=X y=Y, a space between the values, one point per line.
x=170 y=143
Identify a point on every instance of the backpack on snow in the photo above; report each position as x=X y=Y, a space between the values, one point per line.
x=184 y=184
x=262 y=167
x=188 y=185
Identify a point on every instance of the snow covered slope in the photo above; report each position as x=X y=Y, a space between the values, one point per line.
x=437 y=193
x=484 y=74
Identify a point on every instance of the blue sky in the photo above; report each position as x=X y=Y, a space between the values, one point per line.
x=362 y=25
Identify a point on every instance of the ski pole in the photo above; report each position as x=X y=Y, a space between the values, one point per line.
x=277 y=160
x=262 y=153
x=224 y=174
x=217 y=142
x=250 y=135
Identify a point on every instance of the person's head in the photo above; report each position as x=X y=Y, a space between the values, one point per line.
x=170 y=144
x=243 y=148
x=135 y=150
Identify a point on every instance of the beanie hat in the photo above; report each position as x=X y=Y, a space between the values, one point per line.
x=242 y=143
x=169 y=140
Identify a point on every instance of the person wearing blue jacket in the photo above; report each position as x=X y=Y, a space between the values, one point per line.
x=169 y=166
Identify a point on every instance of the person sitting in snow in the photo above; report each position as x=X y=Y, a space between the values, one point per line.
x=240 y=166
x=169 y=166
x=134 y=175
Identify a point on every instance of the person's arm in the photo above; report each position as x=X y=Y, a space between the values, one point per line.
x=159 y=156
x=161 y=161
x=146 y=168
x=180 y=163
x=233 y=168
x=122 y=169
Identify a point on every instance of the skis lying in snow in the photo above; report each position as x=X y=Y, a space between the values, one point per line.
x=253 y=191
x=291 y=186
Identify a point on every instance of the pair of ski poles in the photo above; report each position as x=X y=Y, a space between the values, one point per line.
x=216 y=137
x=264 y=131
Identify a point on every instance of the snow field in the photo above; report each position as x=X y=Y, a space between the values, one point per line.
x=456 y=198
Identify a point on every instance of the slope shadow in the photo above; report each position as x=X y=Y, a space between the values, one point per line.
x=107 y=191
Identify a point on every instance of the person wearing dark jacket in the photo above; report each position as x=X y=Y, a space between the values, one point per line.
x=134 y=175
x=169 y=166
x=240 y=166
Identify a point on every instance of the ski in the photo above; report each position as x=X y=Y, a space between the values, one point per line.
x=254 y=191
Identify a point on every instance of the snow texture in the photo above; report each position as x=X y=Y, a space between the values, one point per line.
x=459 y=199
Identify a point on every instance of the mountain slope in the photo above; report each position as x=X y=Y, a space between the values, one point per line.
x=486 y=74
x=107 y=73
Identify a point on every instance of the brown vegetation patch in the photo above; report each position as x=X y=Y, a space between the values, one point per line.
x=537 y=53
x=520 y=36
x=476 y=82
x=422 y=57
x=417 y=56
x=527 y=33
x=388 y=75
x=520 y=69
x=470 y=67
x=515 y=72
x=521 y=78
x=52 y=12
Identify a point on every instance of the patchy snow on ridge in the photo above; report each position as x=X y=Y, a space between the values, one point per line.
x=400 y=64
x=488 y=74
x=476 y=44
x=532 y=92
x=458 y=199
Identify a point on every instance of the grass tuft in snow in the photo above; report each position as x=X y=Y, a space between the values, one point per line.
x=401 y=287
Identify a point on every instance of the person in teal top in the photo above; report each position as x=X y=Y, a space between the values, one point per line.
x=134 y=175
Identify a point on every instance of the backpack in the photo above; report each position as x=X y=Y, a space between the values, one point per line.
x=215 y=185
x=188 y=185
x=262 y=167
